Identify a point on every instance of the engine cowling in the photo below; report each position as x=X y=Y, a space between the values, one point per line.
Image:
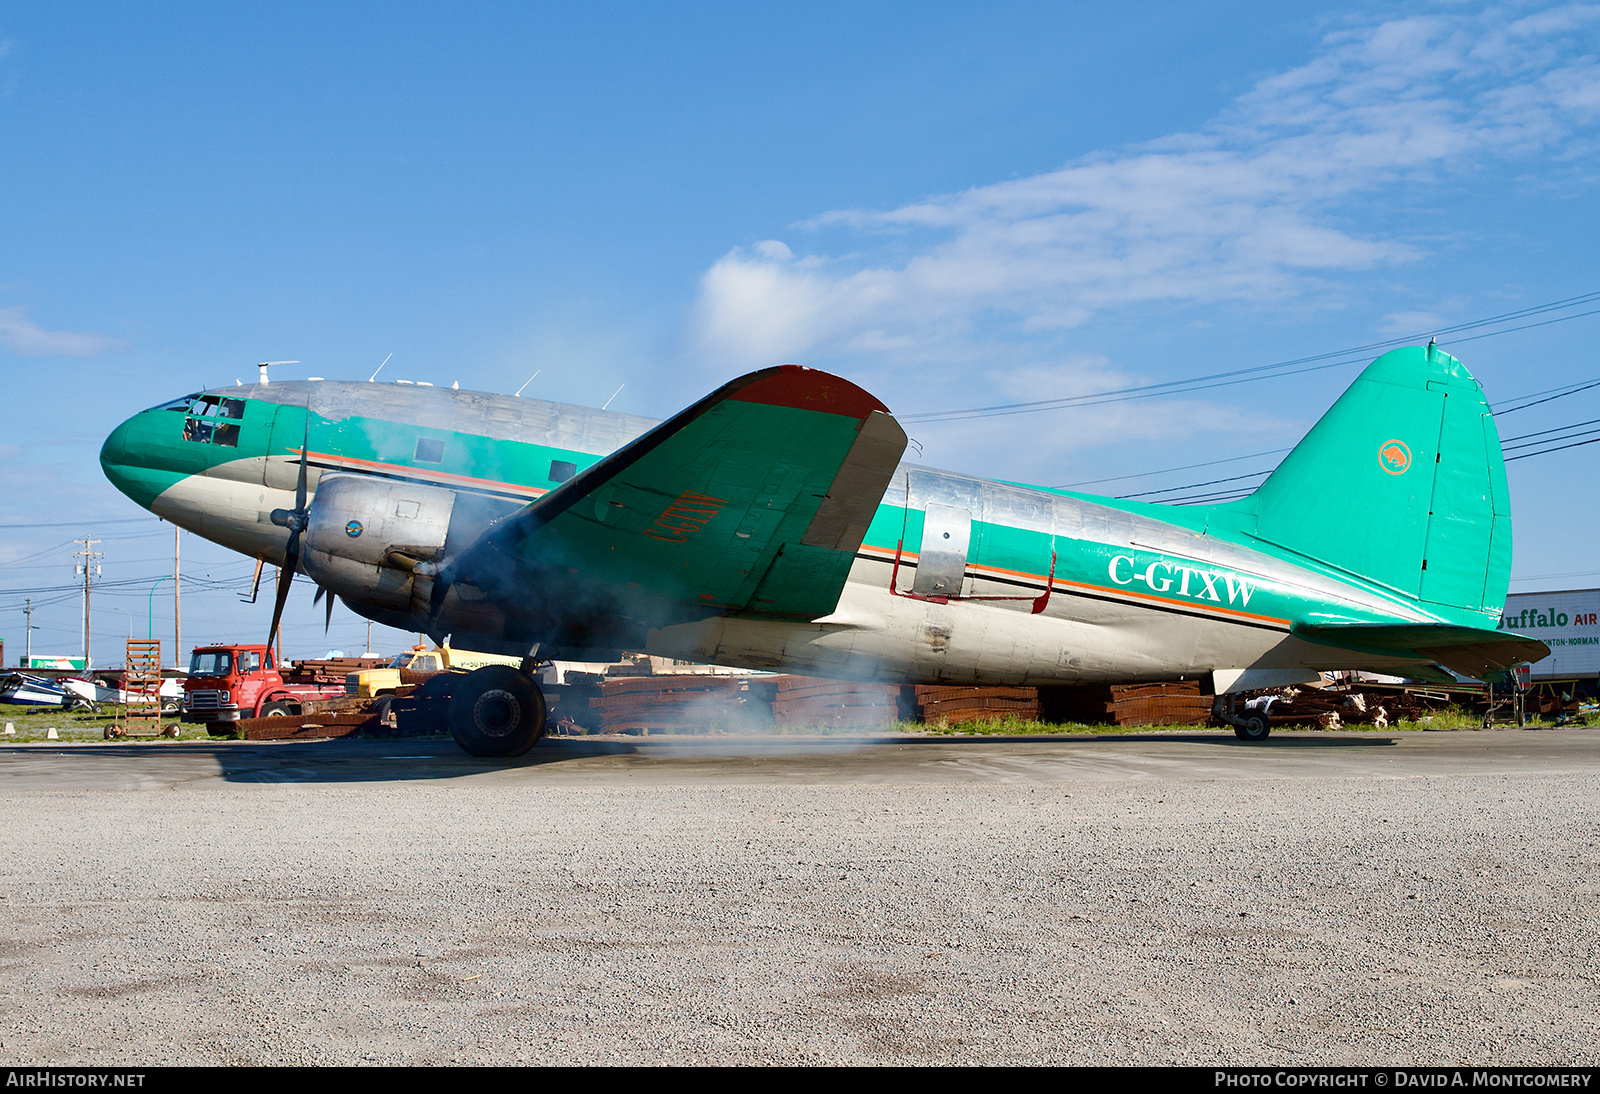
x=365 y=536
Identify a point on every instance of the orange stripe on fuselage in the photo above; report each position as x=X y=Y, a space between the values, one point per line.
x=1062 y=582
x=432 y=476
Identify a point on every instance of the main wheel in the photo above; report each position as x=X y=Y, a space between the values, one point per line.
x=1255 y=728
x=497 y=711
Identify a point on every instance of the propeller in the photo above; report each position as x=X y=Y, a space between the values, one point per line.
x=327 y=622
x=295 y=520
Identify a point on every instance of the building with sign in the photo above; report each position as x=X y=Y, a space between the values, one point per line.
x=1567 y=621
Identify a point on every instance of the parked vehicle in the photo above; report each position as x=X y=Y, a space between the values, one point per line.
x=87 y=694
x=230 y=682
x=372 y=683
x=28 y=690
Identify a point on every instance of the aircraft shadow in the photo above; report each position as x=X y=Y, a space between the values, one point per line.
x=432 y=758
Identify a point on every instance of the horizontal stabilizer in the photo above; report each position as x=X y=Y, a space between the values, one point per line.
x=1470 y=651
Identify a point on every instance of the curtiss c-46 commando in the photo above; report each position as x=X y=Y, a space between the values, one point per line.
x=771 y=525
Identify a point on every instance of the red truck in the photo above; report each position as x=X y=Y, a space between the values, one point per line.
x=229 y=682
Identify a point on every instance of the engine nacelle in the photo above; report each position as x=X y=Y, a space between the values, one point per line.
x=364 y=536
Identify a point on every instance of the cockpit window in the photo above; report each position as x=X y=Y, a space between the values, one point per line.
x=208 y=421
x=182 y=404
x=216 y=406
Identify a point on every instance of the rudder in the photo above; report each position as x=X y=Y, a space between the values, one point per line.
x=1412 y=451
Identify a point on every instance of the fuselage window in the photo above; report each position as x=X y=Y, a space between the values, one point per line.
x=429 y=450
x=562 y=470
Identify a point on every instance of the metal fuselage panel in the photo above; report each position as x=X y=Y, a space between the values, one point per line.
x=1139 y=592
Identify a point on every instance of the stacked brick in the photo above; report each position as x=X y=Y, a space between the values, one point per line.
x=1180 y=704
x=939 y=704
x=679 y=704
x=809 y=702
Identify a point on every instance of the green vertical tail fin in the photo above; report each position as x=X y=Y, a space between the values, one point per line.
x=1402 y=482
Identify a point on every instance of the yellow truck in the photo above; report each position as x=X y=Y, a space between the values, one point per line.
x=372 y=683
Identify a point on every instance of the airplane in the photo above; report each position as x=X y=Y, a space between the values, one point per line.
x=772 y=525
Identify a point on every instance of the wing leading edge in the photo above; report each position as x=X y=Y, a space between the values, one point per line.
x=753 y=500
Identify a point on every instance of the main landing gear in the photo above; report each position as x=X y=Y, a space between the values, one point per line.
x=497 y=711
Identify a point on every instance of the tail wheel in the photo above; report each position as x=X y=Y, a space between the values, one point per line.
x=497 y=711
x=1255 y=728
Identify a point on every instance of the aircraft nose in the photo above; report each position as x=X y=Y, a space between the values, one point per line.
x=114 y=452
x=131 y=458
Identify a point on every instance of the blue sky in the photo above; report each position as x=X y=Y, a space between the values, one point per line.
x=955 y=205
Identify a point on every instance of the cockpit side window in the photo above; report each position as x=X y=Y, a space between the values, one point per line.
x=216 y=406
x=208 y=419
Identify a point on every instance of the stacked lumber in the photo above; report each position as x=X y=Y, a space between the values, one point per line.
x=331 y=670
x=808 y=701
x=302 y=726
x=1170 y=704
x=938 y=704
x=680 y=704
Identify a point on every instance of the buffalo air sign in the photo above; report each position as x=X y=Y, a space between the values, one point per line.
x=1567 y=621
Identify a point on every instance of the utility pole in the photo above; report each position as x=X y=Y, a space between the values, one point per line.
x=90 y=569
x=28 y=612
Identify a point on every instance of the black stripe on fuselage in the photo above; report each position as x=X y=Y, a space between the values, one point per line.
x=1038 y=587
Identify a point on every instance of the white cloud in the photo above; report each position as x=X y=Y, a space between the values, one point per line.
x=1250 y=209
x=22 y=336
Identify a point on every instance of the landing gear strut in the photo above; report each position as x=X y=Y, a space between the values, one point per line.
x=497 y=711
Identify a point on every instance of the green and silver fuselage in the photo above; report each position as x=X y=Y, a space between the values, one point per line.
x=1135 y=591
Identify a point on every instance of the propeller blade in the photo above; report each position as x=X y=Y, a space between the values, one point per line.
x=316 y=597
x=327 y=621
x=291 y=561
x=305 y=448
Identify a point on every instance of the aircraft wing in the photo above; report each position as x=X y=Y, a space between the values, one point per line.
x=1471 y=651
x=753 y=500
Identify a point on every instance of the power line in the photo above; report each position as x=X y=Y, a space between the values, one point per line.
x=1245 y=375
x=1163 y=471
x=1196 y=485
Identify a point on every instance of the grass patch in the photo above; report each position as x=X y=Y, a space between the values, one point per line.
x=1013 y=726
x=33 y=724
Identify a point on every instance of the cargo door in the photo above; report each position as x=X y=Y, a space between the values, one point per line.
x=947 y=503
x=946 y=539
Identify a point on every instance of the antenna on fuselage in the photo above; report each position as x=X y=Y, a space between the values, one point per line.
x=263 y=366
x=531 y=379
x=614 y=395
x=379 y=369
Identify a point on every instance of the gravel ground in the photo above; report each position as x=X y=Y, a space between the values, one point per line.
x=1146 y=901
